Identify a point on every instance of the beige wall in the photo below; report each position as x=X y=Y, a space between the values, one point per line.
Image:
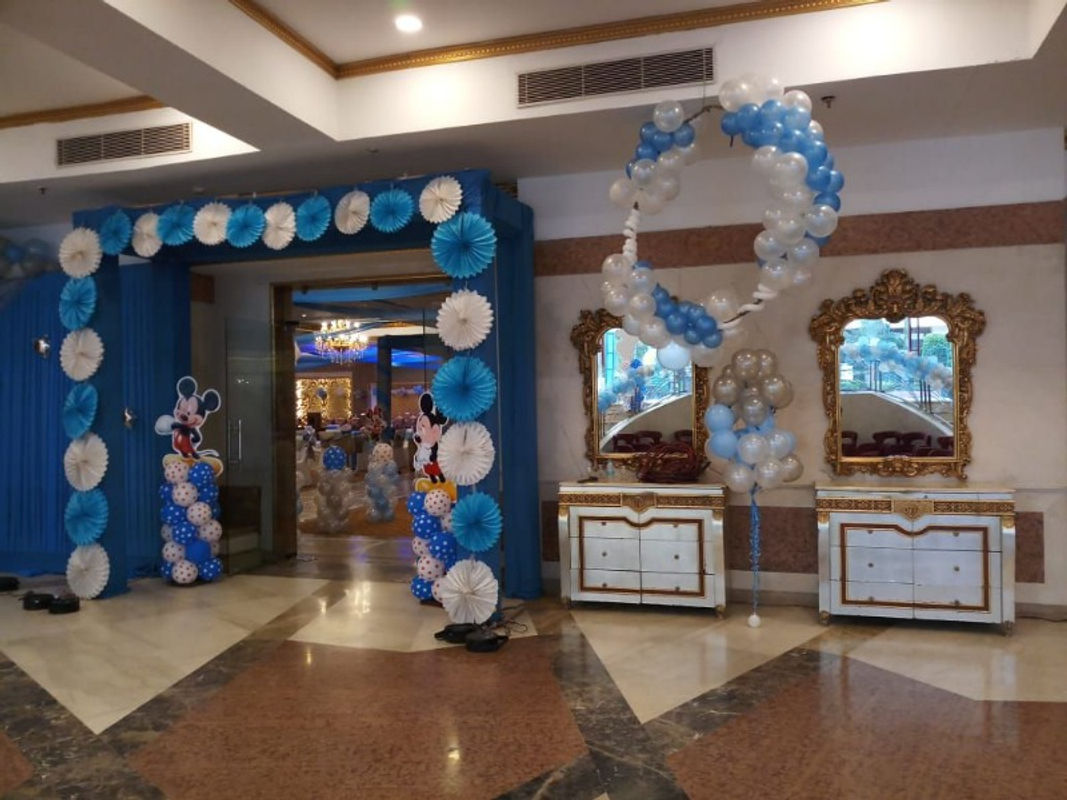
x=1018 y=417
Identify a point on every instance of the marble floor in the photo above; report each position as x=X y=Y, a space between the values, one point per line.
x=320 y=677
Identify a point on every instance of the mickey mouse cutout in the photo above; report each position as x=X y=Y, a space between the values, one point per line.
x=190 y=412
x=429 y=427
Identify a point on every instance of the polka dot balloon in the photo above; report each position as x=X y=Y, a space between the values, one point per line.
x=209 y=492
x=164 y=492
x=198 y=513
x=173 y=552
x=166 y=533
x=334 y=458
x=437 y=503
x=446 y=522
x=172 y=514
x=422 y=589
x=210 y=531
x=166 y=569
x=435 y=589
x=176 y=472
x=184 y=494
x=416 y=502
x=211 y=570
x=214 y=548
x=430 y=569
x=426 y=526
x=201 y=474
x=420 y=547
x=184 y=572
x=443 y=547
x=183 y=532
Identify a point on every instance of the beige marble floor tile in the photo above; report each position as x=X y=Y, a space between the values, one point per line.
x=661 y=659
x=380 y=615
x=977 y=662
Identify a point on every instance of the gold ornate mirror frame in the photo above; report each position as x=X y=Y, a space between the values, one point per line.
x=894 y=296
x=587 y=337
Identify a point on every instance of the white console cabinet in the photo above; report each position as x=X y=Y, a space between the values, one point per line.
x=642 y=543
x=940 y=554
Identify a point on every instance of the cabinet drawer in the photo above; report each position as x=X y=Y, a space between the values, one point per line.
x=670 y=556
x=962 y=538
x=949 y=568
x=864 y=536
x=606 y=528
x=602 y=580
x=670 y=582
x=874 y=565
x=967 y=597
x=623 y=554
x=672 y=531
x=861 y=592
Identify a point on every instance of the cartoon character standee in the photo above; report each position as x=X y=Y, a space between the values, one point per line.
x=429 y=426
x=190 y=412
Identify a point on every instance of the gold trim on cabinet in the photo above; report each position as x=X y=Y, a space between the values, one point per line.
x=125 y=105
x=658 y=501
x=893 y=506
x=896 y=295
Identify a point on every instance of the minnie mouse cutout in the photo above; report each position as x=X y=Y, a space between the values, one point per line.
x=429 y=427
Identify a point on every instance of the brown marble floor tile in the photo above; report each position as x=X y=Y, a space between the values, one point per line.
x=14 y=768
x=321 y=721
x=854 y=731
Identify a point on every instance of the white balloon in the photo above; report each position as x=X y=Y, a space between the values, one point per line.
x=764 y=159
x=674 y=356
x=795 y=98
x=642 y=172
x=769 y=473
x=754 y=83
x=650 y=202
x=622 y=192
x=768 y=247
x=691 y=152
x=668 y=116
x=789 y=170
x=641 y=281
x=795 y=197
x=617 y=301
x=787 y=228
x=792 y=468
x=642 y=306
x=738 y=477
x=815 y=130
x=752 y=448
x=804 y=253
x=733 y=94
x=654 y=333
x=672 y=161
x=821 y=220
x=772 y=88
x=779 y=442
x=631 y=325
x=722 y=304
x=616 y=269
x=776 y=274
x=802 y=276
x=666 y=185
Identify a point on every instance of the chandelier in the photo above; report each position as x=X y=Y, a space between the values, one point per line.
x=338 y=343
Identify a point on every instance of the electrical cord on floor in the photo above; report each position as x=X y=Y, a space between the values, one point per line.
x=509 y=622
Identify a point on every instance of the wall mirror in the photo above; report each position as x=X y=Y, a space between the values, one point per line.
x=632 y=402
x=896 y=360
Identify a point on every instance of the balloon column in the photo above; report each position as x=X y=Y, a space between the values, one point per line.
x=801 y=213
x=191 y=530
x=742 y=429
x=433 y=544
x=334 y=491
x=637 y=375
x=382 y=484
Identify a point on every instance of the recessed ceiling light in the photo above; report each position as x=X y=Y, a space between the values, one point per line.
x=407 y=23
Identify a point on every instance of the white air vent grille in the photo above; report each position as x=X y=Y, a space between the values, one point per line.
x=623 y=75
x=156 y=141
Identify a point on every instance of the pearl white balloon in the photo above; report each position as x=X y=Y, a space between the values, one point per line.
x=617 y=301
x=622 y=193
x=764 y=159
x=776 y=274
x=672 y=160
x=674 y=356
x=752 y=448
x=815 y=130
x=769 y=473
x=733 y=94
x=753 y=410
x=631 y=325
x=772 y=88
x=804 y=253
x=666 y=185
x=738 y=477
x=654 y=333
x=642 y=172
x=668 y=116
x=722 y=304
x=788 y=228
x=616 y=269
x=789 y=170
x=795 y=98
x=641 y=281
x=642 y=306
x=768 y=363
x=795 y=197
x=692 y=152
x=726 y=389
x=792 y=468
x=767 y=246
x=650 y=203
x=802 y=276
x=779 y=442
x=821 y=220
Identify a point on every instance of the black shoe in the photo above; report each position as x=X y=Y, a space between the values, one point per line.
x=456 y=633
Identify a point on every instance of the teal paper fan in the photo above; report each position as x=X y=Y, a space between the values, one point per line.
x=464 y=388
x=312 y=218
x=464 y=245
x=175 y=225
x=391 y=210
x=77 y=302
x=79 y=410
x=115 y=233
x=86 y=516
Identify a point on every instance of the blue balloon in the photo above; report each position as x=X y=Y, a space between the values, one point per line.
x=837 y=181
x=662 y=141
x=415 y=502
x=829 y=162
x=664 y=308
x=724 y=443
x=751 y=137
x=621 y=386
x=658 y=292
x=729 y=124
x=604 y=401
x=770 y=134
x=694 y=311
x=692 y=337
x=646 y=151
x=771 y=112
x=791 y=141
x=676 y=323
x=642 y=264
x=819 y=179
x=796 y=118
x=201 y=474
x=705 y=325
x=819 y=240
x=198 y=551
x=719 y=418
x=713 y=340
x=684 y=135
x=815 y=152
x=648 y=131
x=166 y=570
x=767 y=425
x=828 y=199
x=183 y=532
x=748 y=117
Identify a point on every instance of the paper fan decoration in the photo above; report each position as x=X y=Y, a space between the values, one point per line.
x=80 y=253
x=464 y=246
x=476 y=522
x=391 y=210
x=86 y=516
x=245 y=225
x=79 y=409
x=146 y=241
x=464 y=388
x=85 y=462
x=281 y=226
x=440 y=199
x=351 y=213
x=466 y=454
x=175 y=225
x=115 y=233
x=312 y=218
x=81 y=353
x=77 y=302
x=464 y=320
x=469 y=592
x=209 y=224
x=88 y=570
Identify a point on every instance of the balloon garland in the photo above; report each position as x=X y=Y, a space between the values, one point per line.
x=790 y=154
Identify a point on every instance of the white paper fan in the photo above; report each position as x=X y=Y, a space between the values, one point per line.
x=79 y=253
x=352 y=211
x=85 y=462
x=81 y=353
x=88 y=570
x=469 y=592
x=440 y=199
x=464 y=320
x=146 y=241
x=209 y=224
x=466 y=453
x=281 y=226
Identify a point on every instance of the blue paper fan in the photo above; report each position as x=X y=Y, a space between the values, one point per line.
x=245 y=225
x=79 y=409
x=312 y=218
x=115 y=233
x=464 y=388
x=77 y=302
x=175 y=225
x=464 y=245
x=391 y=210
x=476 y=522
x=86 y=516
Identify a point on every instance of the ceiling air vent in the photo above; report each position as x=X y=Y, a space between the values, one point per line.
x=136 y=143
x=622 y=75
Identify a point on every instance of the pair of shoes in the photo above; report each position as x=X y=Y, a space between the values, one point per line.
x=37 y=601
x=456 y=633
x=485 y=641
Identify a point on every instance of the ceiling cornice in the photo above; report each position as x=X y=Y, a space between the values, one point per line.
x=124 y=105
x=545 y=40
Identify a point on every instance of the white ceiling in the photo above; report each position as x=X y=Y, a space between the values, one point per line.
x=350 y=31
x=37 y=77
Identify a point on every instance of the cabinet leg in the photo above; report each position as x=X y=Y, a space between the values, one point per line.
x=824 y=617
x=1007 y=627
x=720 y=611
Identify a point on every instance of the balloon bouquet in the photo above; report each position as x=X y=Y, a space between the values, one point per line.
x=334 y=491
x=742 y=428
x=382 y=484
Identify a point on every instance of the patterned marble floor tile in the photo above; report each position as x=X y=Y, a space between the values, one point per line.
x=14 y=768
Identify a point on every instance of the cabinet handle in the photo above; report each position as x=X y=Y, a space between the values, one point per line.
x=956 y=568
x=675 y=525
x=870 y=565
x=605 y=554
x=956 y=603
x=956 y=534
x=870 y=598
x=677 y=588
x=602 y=524
x=675 y=556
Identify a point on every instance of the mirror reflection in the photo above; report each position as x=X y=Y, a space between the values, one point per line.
x=896 y=388
x=639 y=402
